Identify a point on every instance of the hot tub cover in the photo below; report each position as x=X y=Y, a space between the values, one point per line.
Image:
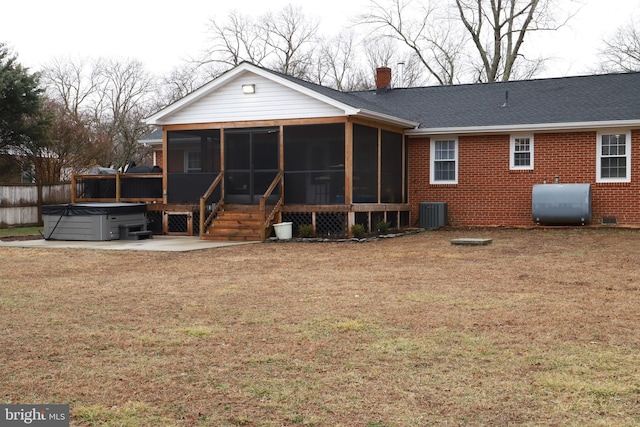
x=94 y=209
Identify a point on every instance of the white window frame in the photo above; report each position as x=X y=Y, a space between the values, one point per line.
x=432 y=157
x=187 y=169
x=627 y=155
x=512 y=152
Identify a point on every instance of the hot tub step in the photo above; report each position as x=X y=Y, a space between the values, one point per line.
x=134 y=232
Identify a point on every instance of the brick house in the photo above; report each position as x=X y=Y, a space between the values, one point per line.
x=361 y=157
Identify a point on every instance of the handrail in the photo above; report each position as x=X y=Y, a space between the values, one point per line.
x=278 y=180
x=118 y=177
x=203 y=202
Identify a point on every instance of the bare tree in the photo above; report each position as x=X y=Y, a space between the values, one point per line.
x=68 y=144
x=418 y=29
x=497 y=29
x=337 y=63
x=236 y=40
x=72 y=83
x=409 y=70
x=290 y=35
x=122 y=104
x=110 y=98
x=481 y=41
x=182 y=80
x=621 y=52
x=282 y=41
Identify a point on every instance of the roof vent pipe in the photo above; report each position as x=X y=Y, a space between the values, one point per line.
x=506 y=98
x=400 y=82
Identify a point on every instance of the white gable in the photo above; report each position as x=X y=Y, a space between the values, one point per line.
x=271 y=101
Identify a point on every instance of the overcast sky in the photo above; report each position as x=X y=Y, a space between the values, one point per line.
x=163 y=33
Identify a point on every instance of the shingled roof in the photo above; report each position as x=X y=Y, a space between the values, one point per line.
x=585 y=99
x=607 y=99
x=582 y=102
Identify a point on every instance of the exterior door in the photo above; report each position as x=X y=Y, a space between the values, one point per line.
x=251 y=163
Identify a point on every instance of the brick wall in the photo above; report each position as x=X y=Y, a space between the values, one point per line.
x=489 y=193
x=175 y=161
x=158 y=158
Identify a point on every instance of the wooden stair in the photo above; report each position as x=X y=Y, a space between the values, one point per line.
x=236 y=223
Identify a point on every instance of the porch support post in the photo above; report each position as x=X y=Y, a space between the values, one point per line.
x=118 y=186
x=348 y=173
x=165 y=161
x=281 y=167
x=379 y=165
x=73 y=187
x=222 y=165
x=404 y=171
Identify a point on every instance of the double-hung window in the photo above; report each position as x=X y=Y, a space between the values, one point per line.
x=521 y=152
x=444 y=161
x=614 y=157
x=193 y=162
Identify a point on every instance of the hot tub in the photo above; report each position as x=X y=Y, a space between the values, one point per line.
x=91 y=221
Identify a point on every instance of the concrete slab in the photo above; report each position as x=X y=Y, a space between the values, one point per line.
x=471 y=241
x=158 y=243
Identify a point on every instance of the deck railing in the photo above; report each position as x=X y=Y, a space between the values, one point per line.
x=270 y=216
x=118 y=187
x=204 y=218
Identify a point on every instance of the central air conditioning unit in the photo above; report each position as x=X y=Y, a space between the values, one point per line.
x=433 y=215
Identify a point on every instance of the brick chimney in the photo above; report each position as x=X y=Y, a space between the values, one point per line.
x=383 y=79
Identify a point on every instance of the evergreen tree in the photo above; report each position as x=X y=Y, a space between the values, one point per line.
x=21 y=118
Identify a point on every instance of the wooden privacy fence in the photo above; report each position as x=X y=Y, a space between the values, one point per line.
x=19 y=203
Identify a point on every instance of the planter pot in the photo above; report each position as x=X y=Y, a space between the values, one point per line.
x=283 y=230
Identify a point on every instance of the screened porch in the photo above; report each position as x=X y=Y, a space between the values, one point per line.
x=333 y=174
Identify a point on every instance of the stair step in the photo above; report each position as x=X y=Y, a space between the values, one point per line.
x=231 y=238
x=134 y=232
x=228 y=214
x=232 y=230
x=236 y=223
x=235 y=218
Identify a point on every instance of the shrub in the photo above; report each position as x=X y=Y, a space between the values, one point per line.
x=357 y=230
x=306 y=230
x=383 y=226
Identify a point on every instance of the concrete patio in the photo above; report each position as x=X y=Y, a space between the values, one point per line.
x=158 y=243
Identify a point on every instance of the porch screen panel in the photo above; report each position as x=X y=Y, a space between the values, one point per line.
x=193 y=162
x=365 y=164
x=314 y=164
x=391 y=168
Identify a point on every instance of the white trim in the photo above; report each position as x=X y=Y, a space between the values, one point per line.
x=512 y=150
x=150 y=142
x=187 y=169
x=388 y=119
x=539 y=127
x=432 y=159
x=627 y=155
x=348 y=110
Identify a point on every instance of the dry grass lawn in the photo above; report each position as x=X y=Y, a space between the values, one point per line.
x=542 y=327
